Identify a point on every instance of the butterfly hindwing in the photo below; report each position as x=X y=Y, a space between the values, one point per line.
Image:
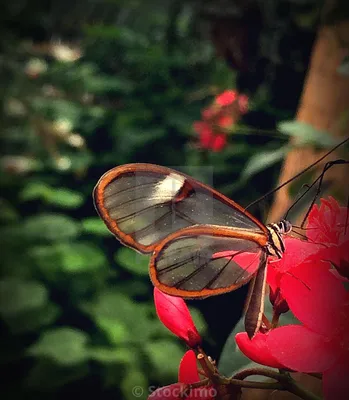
x=202 y=261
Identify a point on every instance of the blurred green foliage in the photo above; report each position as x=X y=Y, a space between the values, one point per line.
x=75 y=306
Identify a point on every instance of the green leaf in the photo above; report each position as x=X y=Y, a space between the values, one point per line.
x=68 y=257
x=105 y=84
x=46 y=375
x=32 y=320
x=35 y=190
x=116 y=330
x=132 y=261
x=51 y=227
x=8 y=212
x=81 y=257
x=65 y=346
x=61 y=197
x=18 y=295
x=263 y=160
x=134 y=385
x=164 y=357
x=306 y=134
x=95 y=226
x=113 y=355
x=65 y=198
x=119 y=317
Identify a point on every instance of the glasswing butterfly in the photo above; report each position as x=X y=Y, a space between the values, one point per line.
x=201 y=242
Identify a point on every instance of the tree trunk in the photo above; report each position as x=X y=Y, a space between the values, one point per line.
x=324 y=105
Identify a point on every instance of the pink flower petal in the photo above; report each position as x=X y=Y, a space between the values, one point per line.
x=219 y=142
x=338 y=255
x=226 y=98
x=174 y=314
x=273 y=277
x=297 y=251
x=257 y=349
x=188 y=370
x=326 y=224
x=246 y=261
x=335 y=381
x=315 y=296
x=301 y=350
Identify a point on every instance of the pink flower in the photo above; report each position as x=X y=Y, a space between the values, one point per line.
x=218 y=142
x=257 y=349
x=174 y=314
x=226 y=98
x=321 y=344
x=208 y=139
x=319 y=300
x=326 y=224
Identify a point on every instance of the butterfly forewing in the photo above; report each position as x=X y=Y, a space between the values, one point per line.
x=205 y=260
x=142 y=204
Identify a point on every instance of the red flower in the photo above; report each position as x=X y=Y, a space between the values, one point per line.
x=257 y=349
x=225 y=121
x=297 y=251
x=218 y=142
x=174 y=314
x=217 y=118
x=326 y=224
x=319 y=300
x=226 y=98
x=205 y=134
x=208 y=138
x=303 y=280
x=187 y=374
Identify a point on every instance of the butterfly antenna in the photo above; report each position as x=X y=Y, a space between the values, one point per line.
x=299 y=173
x=300 y=197
x=320 y=179
x=318 y=191
x=300 y=234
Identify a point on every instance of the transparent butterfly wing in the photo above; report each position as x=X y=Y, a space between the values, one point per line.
x=143 y=203
x=205 y=260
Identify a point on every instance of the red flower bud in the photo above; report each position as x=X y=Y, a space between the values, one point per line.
x=174 y=314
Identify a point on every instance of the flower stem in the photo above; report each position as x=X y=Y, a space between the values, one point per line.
x=293 y=387
x=256 y=385
x=284 y=382
x=257 y=371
